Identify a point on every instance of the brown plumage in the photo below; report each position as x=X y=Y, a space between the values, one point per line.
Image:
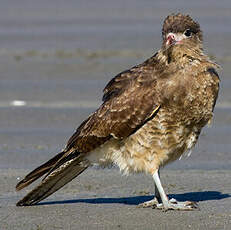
x=151 y=114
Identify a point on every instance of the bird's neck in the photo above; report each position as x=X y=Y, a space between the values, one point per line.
x=180 y=55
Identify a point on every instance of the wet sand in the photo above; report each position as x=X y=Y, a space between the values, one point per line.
x=56 y=59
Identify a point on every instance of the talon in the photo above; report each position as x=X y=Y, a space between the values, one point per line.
x=192 y=204
x=149 y=204
x=175 y=205
x=173 y=201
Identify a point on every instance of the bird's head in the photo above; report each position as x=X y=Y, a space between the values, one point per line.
x=179 y=29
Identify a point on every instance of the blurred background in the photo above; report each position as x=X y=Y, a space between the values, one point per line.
x=57 y=56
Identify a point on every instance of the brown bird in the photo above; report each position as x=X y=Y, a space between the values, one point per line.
x=151 y=114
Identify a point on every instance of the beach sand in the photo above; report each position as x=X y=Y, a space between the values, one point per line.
x=103 y=199
x=55 y=60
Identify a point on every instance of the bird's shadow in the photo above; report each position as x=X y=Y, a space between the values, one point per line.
x=135 y=200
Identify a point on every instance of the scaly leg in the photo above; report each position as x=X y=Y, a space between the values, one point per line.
x=171 y=204
x=157 y=194
x=154 y=202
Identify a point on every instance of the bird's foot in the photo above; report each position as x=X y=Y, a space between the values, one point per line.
x=149 y=204
x=176 y=205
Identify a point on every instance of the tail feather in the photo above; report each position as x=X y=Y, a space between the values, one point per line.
x=55 y=180
x=40 y=171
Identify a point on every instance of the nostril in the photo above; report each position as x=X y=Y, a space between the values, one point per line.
x=170 y=39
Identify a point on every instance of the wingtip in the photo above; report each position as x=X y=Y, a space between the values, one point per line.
x=27 y=201
x=20 y=203
x=20 y=185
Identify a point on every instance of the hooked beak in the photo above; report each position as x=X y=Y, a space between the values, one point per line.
x=173 y=39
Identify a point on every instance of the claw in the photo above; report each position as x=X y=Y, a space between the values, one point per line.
x=176 y=205
x=149 y=204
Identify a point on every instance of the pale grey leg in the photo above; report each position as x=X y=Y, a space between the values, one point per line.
x=152 y=203
x=157 y=194
x=171 y=204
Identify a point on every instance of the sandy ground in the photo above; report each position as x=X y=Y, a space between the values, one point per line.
x=103 y=199
x=56 y=59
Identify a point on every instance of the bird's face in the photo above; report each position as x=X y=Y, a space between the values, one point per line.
x=178 y=37
x=181 y=30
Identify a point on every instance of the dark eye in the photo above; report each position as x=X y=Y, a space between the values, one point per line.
x=188 y=33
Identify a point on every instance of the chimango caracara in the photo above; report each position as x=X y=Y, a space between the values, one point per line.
x=151 y=114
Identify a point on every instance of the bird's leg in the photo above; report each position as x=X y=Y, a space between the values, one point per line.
x=154 y=202
x=171 y=204
x=157 y=194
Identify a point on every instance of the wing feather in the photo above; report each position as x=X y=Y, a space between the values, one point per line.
x=129 y=100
